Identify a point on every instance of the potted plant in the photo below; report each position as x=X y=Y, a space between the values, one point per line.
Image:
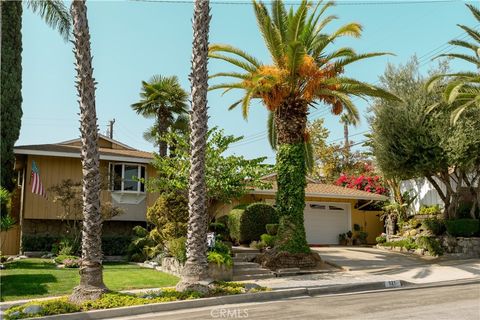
x=349 y=238
x=342 y=239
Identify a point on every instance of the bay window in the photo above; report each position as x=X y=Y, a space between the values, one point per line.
x=125 y=177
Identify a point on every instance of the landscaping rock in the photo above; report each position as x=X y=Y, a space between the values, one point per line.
x=33 y=309
x=250 y=286
x=15 y=314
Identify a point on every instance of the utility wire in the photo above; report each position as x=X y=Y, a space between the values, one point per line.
x=297 y=3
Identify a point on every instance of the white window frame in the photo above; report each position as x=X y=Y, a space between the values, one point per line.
x=111 y=165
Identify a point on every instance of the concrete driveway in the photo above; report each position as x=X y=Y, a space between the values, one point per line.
x=411 y=268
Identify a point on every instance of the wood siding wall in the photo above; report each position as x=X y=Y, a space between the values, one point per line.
x=10 y=241
x=55 y=169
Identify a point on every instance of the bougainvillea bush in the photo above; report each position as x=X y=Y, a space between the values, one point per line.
x=373 y=184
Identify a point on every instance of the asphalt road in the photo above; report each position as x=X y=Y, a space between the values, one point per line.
x=459 y=302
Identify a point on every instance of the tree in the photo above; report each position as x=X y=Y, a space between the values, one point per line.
x=410 y=142
x=55 y=15
x=195 y=272
x=302 y=73
x=347 y=120
x=91 y=285
x=226 y=177
x=462 y=89
x=164 y=99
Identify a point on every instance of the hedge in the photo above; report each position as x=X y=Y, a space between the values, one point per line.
x=462 y=227
x=247 y=225
x=111 y=245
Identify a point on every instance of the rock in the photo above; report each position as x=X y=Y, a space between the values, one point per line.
x=153 y=263
x=32 y=309
x=199 y=286
x=413 y=233
x=11 y=258
x=15 y=314
x=22 y=257
x=250 y=286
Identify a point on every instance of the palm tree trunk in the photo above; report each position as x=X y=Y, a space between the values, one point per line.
x=162 y=126
x=11 y=87
x=347 y=143
x=290 y=123
x=91 y=278
x=195 y=275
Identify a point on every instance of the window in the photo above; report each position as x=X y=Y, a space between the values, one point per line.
x=336 y=208
x=317 y=206
x=125 y=177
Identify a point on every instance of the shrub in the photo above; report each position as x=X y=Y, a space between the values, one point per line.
x=68 y=261
x=272 y=228
x=463 y=210
x=137 y=250
x=259 y=245
x=220 y=258
x=221 y=247
x=249 y=224
x=381 y=239
x=406 y=243
x=48 y=307
x=434 y=225
x=177 y=248
x=115 y=245
x=169 y=214
x=462 y=227
x=268 y=240
x=39 y=243
x=429 y=210
x=430 y=244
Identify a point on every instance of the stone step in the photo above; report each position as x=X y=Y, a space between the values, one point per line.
x=244 y=257
x=238 y=272
x=244 y=250
x=245 y=265
x=252 y=277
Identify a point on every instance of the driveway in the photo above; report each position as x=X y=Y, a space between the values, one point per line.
x=411 y=268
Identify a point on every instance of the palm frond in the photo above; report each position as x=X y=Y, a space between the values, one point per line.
x=340 y=63
x=269 y=32
x=235 y=104
x=279 y=17
x=237 y=85
x=295 y=54
x=475 y=11
x=245 y=66
x=473 y=33
x=464 y=44
x=55 y=14
x=272 y=132
x=471 y=59
x=230 y=74
x=297 y=22
x=236 y=51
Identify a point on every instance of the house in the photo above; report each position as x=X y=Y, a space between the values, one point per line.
x=329 y=210
x=120 y=165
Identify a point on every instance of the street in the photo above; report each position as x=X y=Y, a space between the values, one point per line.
x=459 y=302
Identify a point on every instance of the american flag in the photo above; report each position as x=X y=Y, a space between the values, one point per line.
x=37 y=186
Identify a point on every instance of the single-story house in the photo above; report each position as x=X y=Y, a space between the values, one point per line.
x=120 y=166
x=329 y=210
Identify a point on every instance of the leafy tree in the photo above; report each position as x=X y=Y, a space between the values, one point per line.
x=164 y=99
x=408 y=142
x=91 y=285
x=462 y=90
x=227 y=177
x=302 y=73
x=55 y=15
x=195 y=271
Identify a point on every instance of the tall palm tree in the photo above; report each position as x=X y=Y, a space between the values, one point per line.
x=195 y=275
x=180 y=125
x=55 y=15
x=164 y=99
x=462 y=89
x=302 y=74
x=347 y=120
x=91 y=277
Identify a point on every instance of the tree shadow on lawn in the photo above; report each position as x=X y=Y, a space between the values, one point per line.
x=30 y=264
x=24 y=284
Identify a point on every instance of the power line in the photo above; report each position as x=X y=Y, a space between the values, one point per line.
x=297 y=3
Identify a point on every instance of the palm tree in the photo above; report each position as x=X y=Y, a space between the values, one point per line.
x=301 y=75
x=164 y=99
x=195 y=275
x=180 y=126
x=91 y=277
x=462 y=89
x=347 y=120
x=55 y=15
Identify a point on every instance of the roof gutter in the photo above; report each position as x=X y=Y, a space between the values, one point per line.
x=326 y=195
x=77 y=155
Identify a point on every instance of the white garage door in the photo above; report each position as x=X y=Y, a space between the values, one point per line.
x=325 y=221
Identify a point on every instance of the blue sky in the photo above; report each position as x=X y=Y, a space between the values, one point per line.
x=133 y=40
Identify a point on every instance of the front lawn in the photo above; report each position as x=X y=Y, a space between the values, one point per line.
x=35 y=278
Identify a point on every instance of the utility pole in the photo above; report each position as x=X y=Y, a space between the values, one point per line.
x=110 y=130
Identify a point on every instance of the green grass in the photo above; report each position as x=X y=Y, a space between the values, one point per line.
x=35 y=278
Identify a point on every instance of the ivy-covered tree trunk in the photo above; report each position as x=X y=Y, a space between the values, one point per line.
x=91 y=277
x=195 y=273
x=290 y=123
x=11 y=87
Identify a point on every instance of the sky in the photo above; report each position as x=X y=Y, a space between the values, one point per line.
x=134 y=40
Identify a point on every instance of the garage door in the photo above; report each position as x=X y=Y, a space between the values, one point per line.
x=324 y=222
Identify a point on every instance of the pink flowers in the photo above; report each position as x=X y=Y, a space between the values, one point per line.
x=373 y=184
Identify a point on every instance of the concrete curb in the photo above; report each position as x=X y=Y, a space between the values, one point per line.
x=176 y=305
x=253 y=297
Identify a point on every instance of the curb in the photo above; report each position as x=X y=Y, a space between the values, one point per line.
x=177 y=305
x=336 y=265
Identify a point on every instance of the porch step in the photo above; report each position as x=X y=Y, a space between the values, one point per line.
x=244 y=250
x=252 y=277
x=245 y=265
x=245 y=257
